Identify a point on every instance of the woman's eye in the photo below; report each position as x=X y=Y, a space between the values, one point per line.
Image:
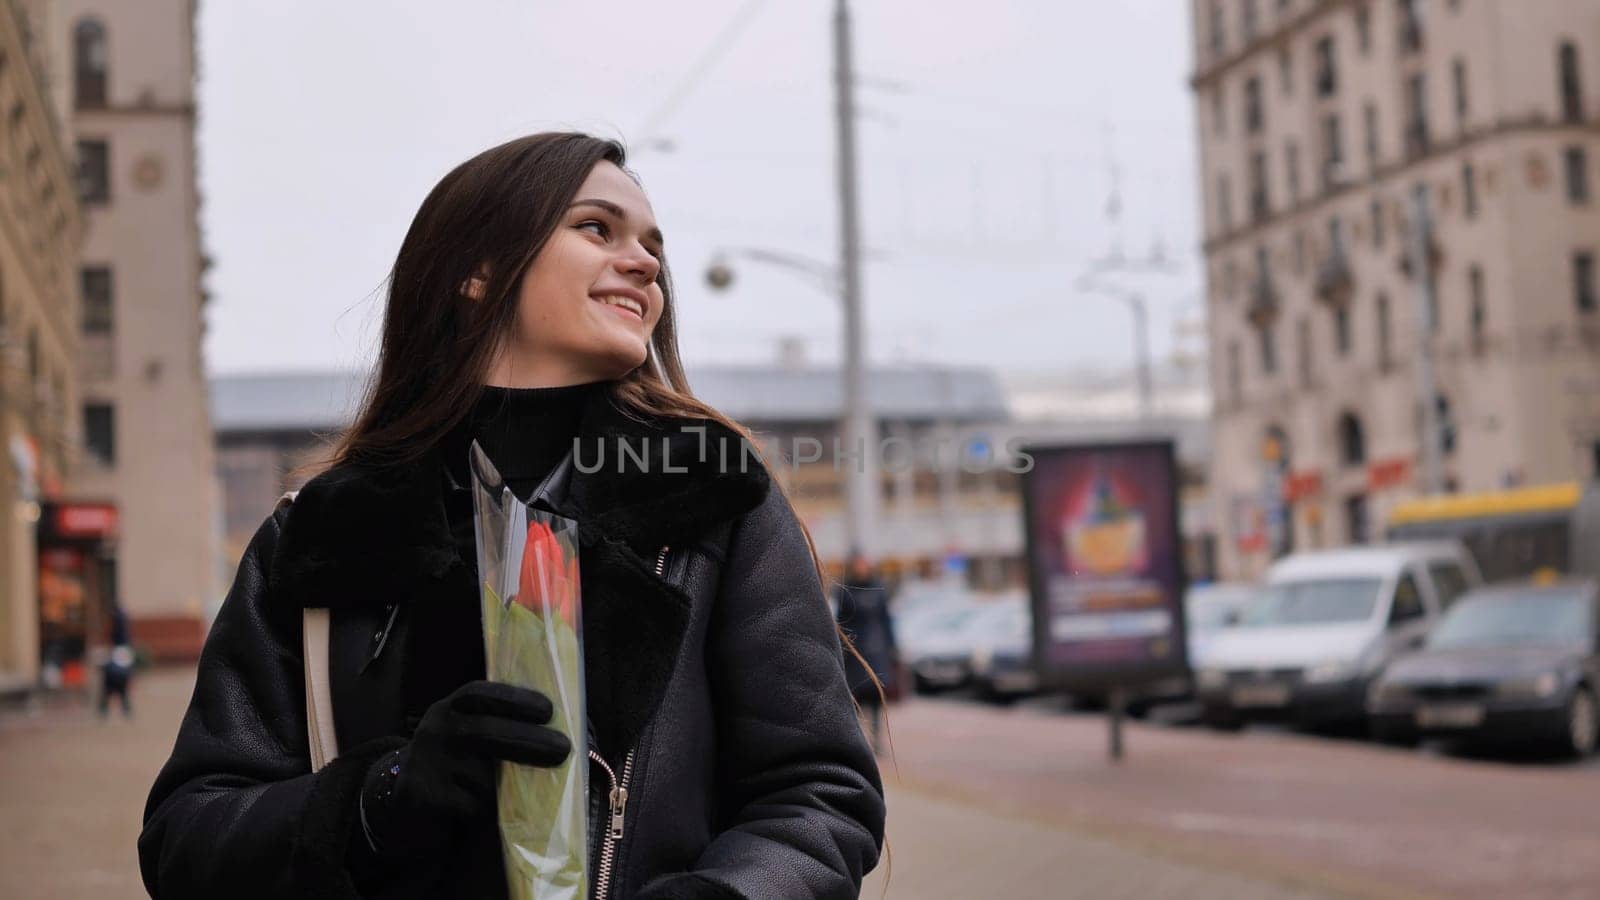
x=599 y=227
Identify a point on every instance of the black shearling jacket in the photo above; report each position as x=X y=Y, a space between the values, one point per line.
x=719 y=679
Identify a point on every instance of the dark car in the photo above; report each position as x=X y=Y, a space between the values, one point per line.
x=1515 y=665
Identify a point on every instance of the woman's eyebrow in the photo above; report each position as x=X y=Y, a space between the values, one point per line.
x=654 y=234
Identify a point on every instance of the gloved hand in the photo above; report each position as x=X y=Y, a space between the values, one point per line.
x=416 y=798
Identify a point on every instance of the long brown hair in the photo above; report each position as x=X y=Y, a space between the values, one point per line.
x=489 y=217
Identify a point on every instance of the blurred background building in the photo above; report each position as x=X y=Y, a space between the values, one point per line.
x=950 y=498
x=1318 y=123
x=40 y=230
x=109 y=494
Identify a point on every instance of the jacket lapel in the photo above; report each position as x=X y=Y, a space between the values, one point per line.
x=360 y=538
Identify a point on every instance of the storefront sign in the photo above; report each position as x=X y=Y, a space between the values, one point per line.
x=82 y=521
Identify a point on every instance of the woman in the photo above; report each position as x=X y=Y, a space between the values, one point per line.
x=529 y=309
x=861 y=604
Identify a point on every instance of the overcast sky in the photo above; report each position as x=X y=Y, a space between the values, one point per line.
x=984 y=143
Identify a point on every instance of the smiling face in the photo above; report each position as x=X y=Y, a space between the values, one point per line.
x=589 y=301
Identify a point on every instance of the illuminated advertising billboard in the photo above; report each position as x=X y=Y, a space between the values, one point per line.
x=1105 y=563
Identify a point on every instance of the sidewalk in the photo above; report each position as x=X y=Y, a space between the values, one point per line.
x=72 y=793
x=943 y=849
x=1342 y=817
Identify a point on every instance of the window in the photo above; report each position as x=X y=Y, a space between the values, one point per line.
x=35 y=363
x=1260 y=204
x=1369 y=115
x=1583 y=281
x=1341 y=330
x=1411 y=24
x=1352 y=441
x=99 y=432
x=1299 y=253
x=1480 y=308
x=97 y=293
x=1303 y=341
x=1577 y=166
x=1417 y=126
x=1247 y=19
x=89 y=64
x=1219 y=120
x=1286 y=71
x=1385 y=356
x=1447 y=425
x=1458 y=75
x=1219 y=37
x=1407 y=601
x=1571 y=83
x=94 y=171
x=1291 y=154
x=1469 y=191
x=1364 y=29
x=1224 y=203
x=1235 y=374
x=1332 y=152
x=1252 y=105
x=1269 y=349
x=1449 y=582
x=1375 y=210
x=1327 y=70
x=1355 y=515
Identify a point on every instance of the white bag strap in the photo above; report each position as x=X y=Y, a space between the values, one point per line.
x=323 y=741
x=319 y=693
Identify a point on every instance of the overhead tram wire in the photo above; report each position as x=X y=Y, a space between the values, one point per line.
x=702 y=66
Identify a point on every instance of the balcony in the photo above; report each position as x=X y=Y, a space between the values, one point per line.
x=1264 y=301
x=1335 y=282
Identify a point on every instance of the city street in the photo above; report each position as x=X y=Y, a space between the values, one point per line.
x=985 y=801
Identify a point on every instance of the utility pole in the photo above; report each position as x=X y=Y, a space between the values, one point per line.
x=1422 y=271
x=859 y=428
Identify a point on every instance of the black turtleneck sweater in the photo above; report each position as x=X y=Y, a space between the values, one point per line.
x=525 y=432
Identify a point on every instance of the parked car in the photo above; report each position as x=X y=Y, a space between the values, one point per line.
x=1325 y=623
x=1509 y=664
x=937 y=648
x=1206 y=608
x=1002 y=656
x=1209 y=607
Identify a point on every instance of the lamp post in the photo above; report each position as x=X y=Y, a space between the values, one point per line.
x=858 y=451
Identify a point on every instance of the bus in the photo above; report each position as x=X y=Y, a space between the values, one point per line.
x=1551 y=529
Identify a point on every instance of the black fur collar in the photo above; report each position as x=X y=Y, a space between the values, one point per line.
x=365 y=534
x=359 y=535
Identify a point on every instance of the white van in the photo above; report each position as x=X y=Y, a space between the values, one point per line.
x=1325 y=623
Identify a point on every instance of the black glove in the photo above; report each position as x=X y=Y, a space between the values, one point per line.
x=415 y=798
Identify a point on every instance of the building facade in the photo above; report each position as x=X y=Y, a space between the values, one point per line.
x=40 y=229
x=124 y=78
x=1321 y=124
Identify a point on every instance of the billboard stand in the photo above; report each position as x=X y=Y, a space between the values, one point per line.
x=1117 y=707
x=1105 y=569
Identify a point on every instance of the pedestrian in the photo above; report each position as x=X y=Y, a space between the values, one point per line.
x=861 y=603
x=116 y=673
x=529 y=309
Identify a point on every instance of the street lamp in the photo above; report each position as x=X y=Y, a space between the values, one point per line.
x=857 y=425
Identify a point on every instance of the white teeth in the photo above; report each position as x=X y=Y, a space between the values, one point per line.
x=624 y=302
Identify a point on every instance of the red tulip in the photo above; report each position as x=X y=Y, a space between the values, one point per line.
x=548 y=578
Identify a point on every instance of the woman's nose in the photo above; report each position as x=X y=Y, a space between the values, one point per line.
x=640 y=264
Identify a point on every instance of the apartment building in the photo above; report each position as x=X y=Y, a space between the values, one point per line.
x=40 y=228
x=1387 y=182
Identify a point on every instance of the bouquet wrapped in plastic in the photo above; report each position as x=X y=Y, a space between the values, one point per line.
x=528 y=575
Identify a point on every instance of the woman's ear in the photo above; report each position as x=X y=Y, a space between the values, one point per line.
x=475 y=287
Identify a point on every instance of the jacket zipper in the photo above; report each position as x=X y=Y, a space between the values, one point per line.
x=618 y=797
